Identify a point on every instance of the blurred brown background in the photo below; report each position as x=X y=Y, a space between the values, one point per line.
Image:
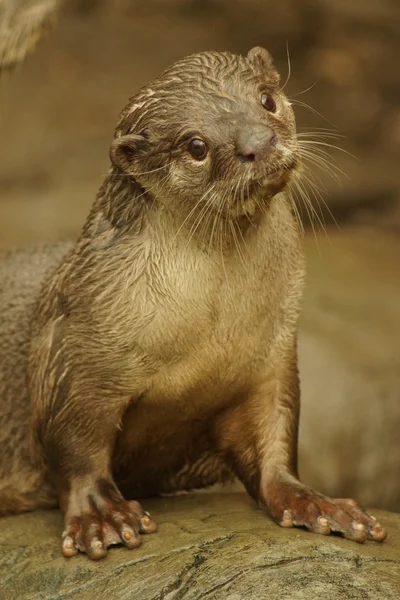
x=58 y=112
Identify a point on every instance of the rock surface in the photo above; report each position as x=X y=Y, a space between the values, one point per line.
x=209 y=546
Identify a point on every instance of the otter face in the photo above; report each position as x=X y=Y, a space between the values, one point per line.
x=213 y=128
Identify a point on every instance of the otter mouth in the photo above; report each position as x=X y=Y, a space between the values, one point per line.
x=259 y=190
x=271 y=182
x=261 y=186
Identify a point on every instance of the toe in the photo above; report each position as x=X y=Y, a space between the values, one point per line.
x=357 y=533
x=68 y=546
x=71 y=537
x=96 y=550
x=376 y=532
x=92 y=536
x=147 y=525
x=321 y=526
x=340 y=521
x=129 y=537
x=126 y=524
x=287 y=520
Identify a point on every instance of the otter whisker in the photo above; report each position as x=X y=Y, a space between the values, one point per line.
x=315 y=149
x=322 y=165
x=318 y=143
x=321 y=160
x=220 y=225
x=212 y=212
x=152 y=170
x=206 y=207
x=310 y=134
x=194 y=209
x=219 y=210
x=313 y=175
x=313 y=216
x=226 y=202
x=236 y=242
x=227 y=198
x=289 y=68
x=127 y=203
x=239 y=189
x=235 y=192
x=197 y=222
x=217 y=222
x=295 y=211
x=225 y=222
x=215 y=215
x=320 y=154
x=312 y=192
x=313 y=110
x=307 y=89
x=319 y=197
x=310 y=218
x=318 y=128
x=135 y=175
x=245 y=182
x=221 y=248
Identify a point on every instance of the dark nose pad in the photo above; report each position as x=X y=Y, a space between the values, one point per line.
x=254 y=143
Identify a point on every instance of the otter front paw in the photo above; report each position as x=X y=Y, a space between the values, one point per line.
x=294 y=505
x=100 y=517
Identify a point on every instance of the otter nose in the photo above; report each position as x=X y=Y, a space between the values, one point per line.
x=255 y=143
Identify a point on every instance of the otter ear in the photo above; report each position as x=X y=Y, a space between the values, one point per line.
x=262 y=61
x=124 y=149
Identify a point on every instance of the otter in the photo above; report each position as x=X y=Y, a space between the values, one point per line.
x=158 y=353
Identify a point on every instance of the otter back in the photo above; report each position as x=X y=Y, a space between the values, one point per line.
x=22 y=274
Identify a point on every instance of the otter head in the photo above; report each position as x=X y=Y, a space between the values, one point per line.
x=214 y=128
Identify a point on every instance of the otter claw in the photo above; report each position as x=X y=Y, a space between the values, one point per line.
x=68 y=547
x=287 y=520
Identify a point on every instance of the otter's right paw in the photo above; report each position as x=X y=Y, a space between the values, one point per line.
x=96 y=520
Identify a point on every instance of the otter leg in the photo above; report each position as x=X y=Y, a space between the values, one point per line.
x=77 y=433
x=266 y=460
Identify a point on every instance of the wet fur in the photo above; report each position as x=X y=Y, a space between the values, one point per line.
x=23 y=486
x=161 y=352
x=140 y=327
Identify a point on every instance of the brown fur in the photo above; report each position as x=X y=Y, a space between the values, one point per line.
x=163 y=352
x=22 y=485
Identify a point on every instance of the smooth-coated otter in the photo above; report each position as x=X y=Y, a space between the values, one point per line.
x=160 y=353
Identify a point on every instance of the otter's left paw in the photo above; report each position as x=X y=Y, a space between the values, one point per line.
x=295 y=505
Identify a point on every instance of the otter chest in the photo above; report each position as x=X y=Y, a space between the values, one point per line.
x=210 y=324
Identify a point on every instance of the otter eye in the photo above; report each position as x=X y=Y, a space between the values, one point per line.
x=268 y=102
x=198 y=149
